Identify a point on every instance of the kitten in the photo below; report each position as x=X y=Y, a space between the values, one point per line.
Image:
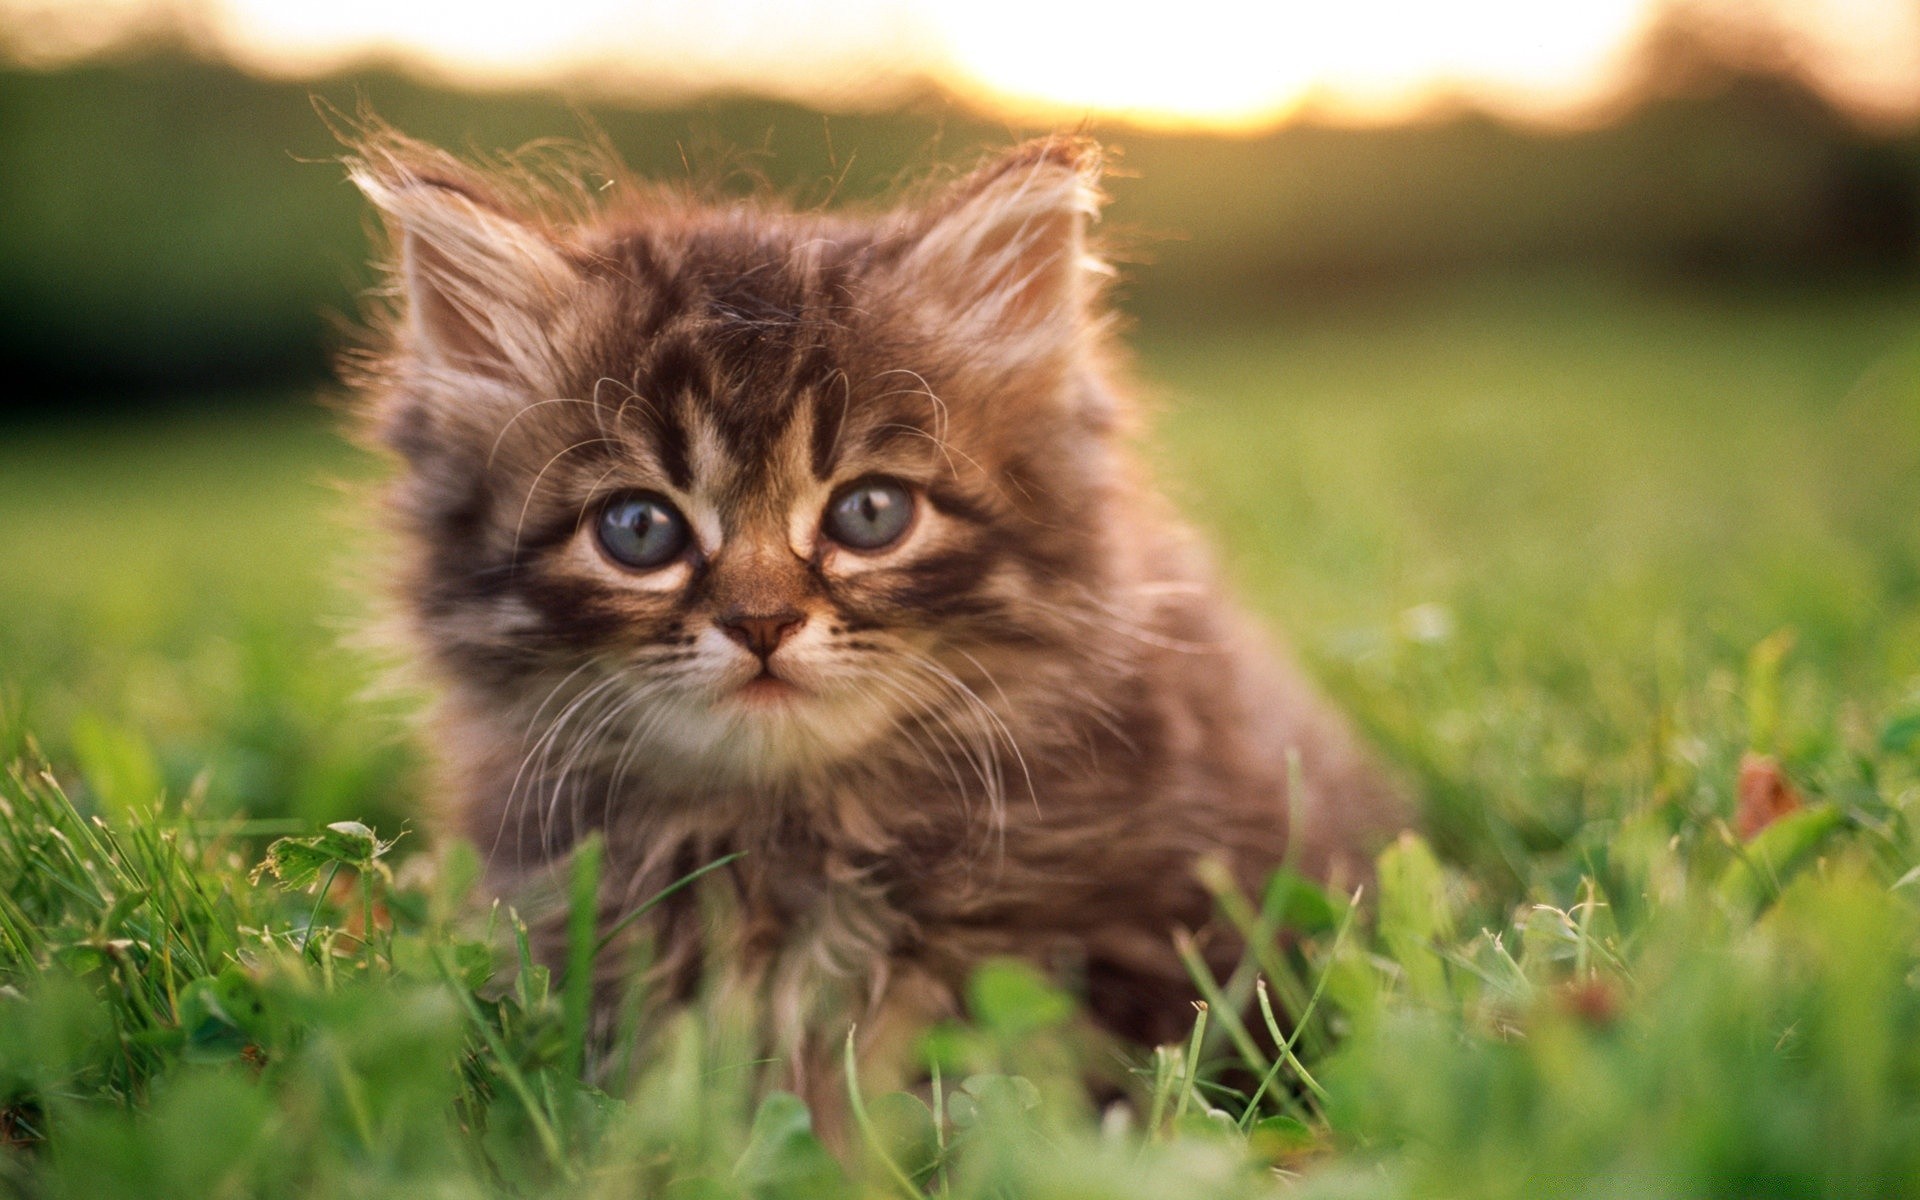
x=730 y=528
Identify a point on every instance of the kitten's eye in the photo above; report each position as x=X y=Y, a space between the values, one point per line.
x=642 y=530
x=870 y=514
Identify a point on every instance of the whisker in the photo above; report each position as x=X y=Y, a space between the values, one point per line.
x=979 y=706
x=533 y=488
x=514 y=420
x=540 y=751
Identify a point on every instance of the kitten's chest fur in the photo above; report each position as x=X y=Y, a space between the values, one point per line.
x=1194 y=744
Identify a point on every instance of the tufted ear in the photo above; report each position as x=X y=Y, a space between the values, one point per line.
x=1005 y=255
x=482 y=289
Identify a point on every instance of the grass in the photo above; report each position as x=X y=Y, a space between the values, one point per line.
x=1571 y=552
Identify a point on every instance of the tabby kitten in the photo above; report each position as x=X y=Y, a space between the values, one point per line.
x=817 y=537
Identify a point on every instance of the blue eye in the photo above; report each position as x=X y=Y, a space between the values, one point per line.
x=642 y=530
x=870 y=514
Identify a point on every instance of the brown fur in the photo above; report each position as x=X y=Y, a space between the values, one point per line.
x=1022 y=728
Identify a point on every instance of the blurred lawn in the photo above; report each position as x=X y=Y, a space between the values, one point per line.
x=1529 y=530
x=1532 y=532
x=174 y=601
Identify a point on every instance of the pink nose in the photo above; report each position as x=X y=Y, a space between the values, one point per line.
x=761 y=633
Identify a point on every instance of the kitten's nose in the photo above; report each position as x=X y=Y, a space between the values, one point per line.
x=761 y=633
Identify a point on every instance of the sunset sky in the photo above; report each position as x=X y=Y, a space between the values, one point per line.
x=1208 y=63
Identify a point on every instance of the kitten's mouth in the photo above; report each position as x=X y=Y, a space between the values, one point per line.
x=768 y=688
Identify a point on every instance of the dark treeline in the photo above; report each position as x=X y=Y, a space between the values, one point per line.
x=172 y=224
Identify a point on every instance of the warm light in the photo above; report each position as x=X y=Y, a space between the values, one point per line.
x=825 y=49
x=1225 y=64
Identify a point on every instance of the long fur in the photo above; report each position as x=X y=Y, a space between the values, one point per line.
x=1016 y=733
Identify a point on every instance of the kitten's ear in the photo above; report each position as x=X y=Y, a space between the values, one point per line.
x=1006 y=253
x=481 y=287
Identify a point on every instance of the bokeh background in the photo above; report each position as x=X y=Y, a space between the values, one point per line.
x=1532 y=363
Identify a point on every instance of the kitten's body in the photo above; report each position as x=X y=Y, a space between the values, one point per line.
x=1013 y=731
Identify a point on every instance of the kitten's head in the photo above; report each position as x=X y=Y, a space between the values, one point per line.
x=739 y=489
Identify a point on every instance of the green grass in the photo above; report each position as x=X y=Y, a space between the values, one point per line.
x=1569 y=551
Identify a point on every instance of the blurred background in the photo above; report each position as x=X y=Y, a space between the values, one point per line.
x=174 y=222
x=1524 y=357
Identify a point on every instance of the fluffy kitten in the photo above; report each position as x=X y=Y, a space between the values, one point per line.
x=817 y=537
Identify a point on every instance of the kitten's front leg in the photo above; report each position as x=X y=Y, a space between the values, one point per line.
x=904 y=1002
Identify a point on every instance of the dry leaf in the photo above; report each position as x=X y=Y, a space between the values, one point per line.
x=1594 y=1000
x=1765 y=794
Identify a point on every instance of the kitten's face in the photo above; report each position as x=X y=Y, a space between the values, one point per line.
x=722 y=496
x=775 y=566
